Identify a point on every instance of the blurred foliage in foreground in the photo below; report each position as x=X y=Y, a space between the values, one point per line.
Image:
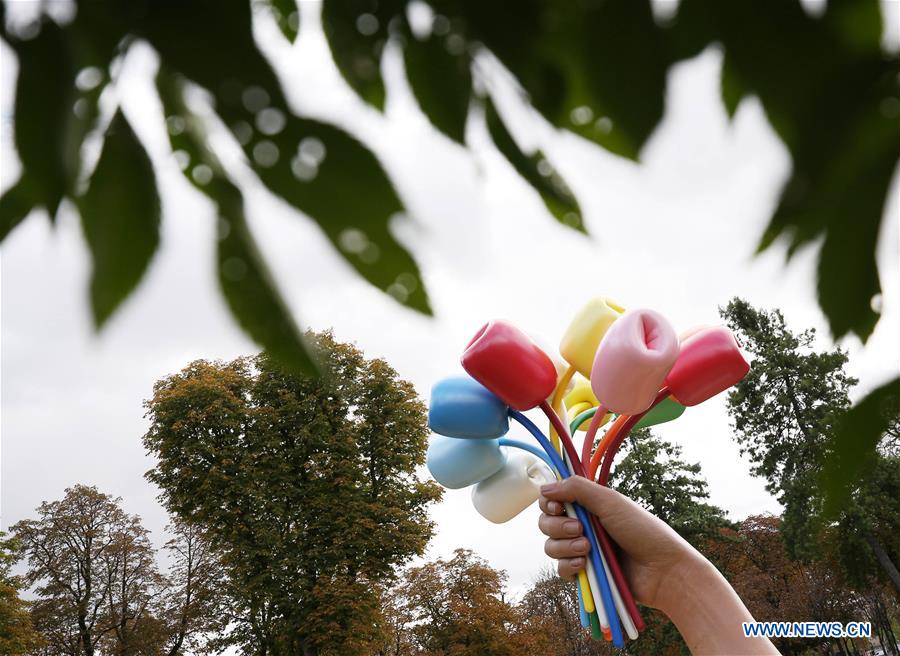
x=595 y=67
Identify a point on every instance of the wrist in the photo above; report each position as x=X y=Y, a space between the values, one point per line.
x=707 y=611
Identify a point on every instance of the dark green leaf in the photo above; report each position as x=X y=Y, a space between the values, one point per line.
x=316 y=167
x=441 y=82
x=357 y=31
x=825 y=96
x=857 y=23
x=15 y=205
x=287 y=15
x=838 y=189
x=689 y=32
x=732 y=89
x=334 y=179
x=120 y=218
x=623 y=61
x=517 y=33
x=246 y=282
x=44 y=96
x=538 y=172
x=597 y=68
x=249 y=289
x=853 y=205
x=855 y=441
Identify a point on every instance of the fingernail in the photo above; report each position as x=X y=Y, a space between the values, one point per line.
x=580 y=545
x=572 y=527
x=549 y=487
x=578 y=563
x=555 y=508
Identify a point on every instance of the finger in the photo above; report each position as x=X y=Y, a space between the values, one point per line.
x=631 y=526
x=568 y=568
x=556 y=548
x=559 y=527
x=607 y=504
x=551 y=507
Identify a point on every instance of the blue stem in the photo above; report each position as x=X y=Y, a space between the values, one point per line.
x=615 y=626
x=531 y=448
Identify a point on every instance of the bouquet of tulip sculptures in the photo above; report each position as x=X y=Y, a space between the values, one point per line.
x=627 y=365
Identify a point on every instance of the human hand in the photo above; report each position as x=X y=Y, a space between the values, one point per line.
x=663 y=570
x=652 y=551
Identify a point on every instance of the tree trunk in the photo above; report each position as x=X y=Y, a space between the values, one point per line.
x=841 y=647
x=883 y=559
x=85 y=637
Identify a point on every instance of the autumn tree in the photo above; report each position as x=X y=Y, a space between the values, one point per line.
x=98 y=585
x=306 y=485
x=457 y=607
x=93 y=568
x=785 y=414
x=17 y=632
x=191 y=609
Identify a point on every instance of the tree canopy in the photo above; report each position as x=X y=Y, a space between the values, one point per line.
x=305 y=484
x=99 y=588
x=787 y=412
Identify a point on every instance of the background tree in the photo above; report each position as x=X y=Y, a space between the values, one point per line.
x=191 y=609
x=457 y=607
x=93 y=567
x=596 y=68
x=550 y=609
x=98 y=585
x=17 y=632
x=786 y=413
x=305 y=485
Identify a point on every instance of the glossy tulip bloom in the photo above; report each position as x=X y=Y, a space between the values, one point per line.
x=456 y=463
x=506 y=361
x=512 y=489
x=633 y=360
x=585 y=332
x=710 y=362
x=463 y=407
x=581 y=398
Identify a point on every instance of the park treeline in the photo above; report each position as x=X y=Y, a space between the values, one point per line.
x=296 y=510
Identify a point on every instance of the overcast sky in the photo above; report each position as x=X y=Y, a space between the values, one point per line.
x=675 y=233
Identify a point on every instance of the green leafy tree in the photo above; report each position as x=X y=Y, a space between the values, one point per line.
x=869 y=525
x=786 y=414
x=305 y=484
x=17 y=632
